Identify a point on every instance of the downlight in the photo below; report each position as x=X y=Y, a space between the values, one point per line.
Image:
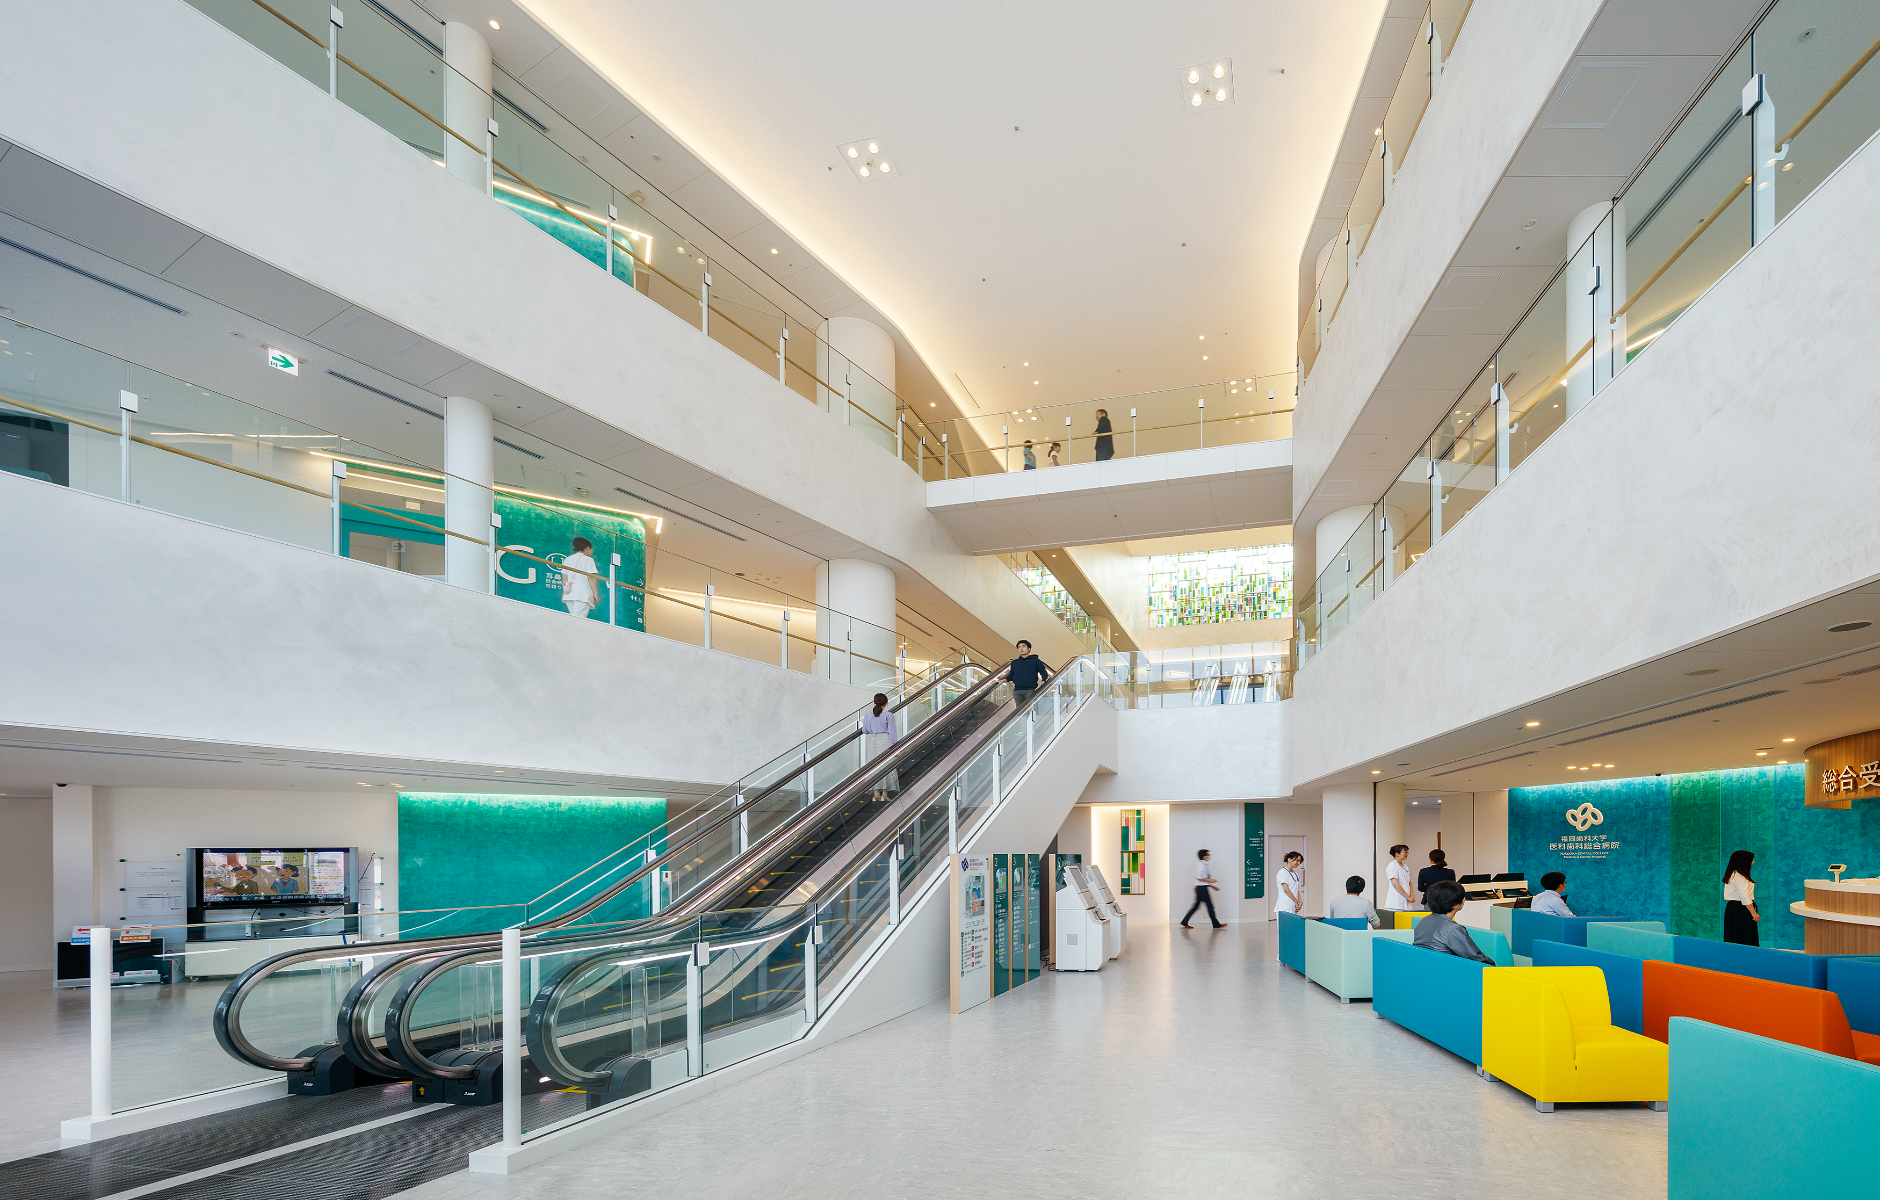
x=869 y=159
x=1205 y=81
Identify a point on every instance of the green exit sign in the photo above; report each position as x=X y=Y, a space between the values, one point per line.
x=281 y=360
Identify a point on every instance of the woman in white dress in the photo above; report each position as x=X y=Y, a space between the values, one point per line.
x=1400 y=887
x=879 y=732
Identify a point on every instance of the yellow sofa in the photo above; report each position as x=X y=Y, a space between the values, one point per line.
x=1548 y=1031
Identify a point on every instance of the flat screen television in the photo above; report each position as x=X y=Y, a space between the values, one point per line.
x=254 y=877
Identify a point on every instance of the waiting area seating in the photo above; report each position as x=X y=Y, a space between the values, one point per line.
x=1783 y=1012
x=1549 y=1032
x=1338 y=955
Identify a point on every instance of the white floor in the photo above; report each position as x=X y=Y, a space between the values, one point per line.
x=1194 y=1066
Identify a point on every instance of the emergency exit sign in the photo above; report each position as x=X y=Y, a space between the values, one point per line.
x=281 y=360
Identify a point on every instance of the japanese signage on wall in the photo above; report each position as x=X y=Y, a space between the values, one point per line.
x=1611 y=839
x=970 y=909
x=1253 y=819
x=1844 y=770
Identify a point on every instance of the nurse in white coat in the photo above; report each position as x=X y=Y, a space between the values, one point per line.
x=1289 y=887
x=1400 y=886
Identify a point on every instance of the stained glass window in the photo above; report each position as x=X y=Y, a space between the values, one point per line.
x=1208 y=587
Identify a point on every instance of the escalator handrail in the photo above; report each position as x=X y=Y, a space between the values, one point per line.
x=226 y=1020
x=540 y=1021
x=399 y=1037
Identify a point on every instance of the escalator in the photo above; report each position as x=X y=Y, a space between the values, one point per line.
x=766 y=902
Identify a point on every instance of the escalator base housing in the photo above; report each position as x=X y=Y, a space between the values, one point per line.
x=330 y=1074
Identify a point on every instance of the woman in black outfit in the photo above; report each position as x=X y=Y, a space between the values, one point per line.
x=1740 y=917
x=1438 y=869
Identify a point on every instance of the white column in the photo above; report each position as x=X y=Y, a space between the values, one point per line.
x=1458 y=826
x=1345 y=819
x=1595 y=283
x=1389 y=826
x=74 y=859
x=854 y=587
x=467 y=103
x=1491 y=832
x=469 y=474
x=1334 y=530
x=870 y=385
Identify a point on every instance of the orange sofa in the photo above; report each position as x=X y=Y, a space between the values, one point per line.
x=1783 y=1012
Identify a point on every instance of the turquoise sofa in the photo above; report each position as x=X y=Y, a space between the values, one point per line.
x=1758 y=962
x=1434 y=995
x=1292 y=941
x=1809 y=1139
x=1339 y=959
x=1634 y=939
x=1527 y=925
x=1625 y=976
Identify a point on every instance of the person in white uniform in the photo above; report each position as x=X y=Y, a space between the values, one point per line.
x=1400 y=886
x=1289 y=886
x=577 y=579
x=879 y=733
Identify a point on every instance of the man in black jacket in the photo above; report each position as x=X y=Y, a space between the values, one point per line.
x=1026 y=673
x=1105 y=446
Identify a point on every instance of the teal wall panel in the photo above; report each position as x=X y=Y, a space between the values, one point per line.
x=1674 y=834
x=463 y=851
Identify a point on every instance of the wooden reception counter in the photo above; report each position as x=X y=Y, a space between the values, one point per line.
x=1842 y=918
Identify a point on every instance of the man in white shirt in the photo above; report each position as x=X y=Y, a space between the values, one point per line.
x=1554 y=885
x=1400 y=887
x=577 y=578
x=1204 y=885
x=1353 y=904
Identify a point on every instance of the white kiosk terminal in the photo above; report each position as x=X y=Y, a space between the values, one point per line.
x=1081 y=925
x=1117 y=930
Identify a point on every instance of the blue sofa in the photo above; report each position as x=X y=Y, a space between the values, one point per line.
x=1528 y=925
x=1758 y=962
x=1345 y=922
x=1436 y=996
x=1634 y=939
x=1292 y=941
x=1809 y=1139
x=1625 y=978
x=1857 y=982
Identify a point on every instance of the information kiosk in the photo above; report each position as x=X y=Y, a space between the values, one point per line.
x=1117 y=931
x=1081 y=925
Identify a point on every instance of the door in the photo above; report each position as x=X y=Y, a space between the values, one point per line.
x=1278 y=846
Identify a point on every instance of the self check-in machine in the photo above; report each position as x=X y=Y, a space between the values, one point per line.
x=1118 y=928
x=1081 y=941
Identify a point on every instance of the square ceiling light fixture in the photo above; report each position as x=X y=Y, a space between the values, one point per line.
x=1208 y=85
x=869 y=159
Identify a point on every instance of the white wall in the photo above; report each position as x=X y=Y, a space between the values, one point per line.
x=701 y=404
x=1174 y=832
x=25 y=883
x=1106 y=841
x=1122 y=580
x=1491 y=832
x=1302 y=820
x=1220 y=752
x=1731 y=489
x=234 y=638
x=1458 y=826
x=138 y=824
x=1420 y=827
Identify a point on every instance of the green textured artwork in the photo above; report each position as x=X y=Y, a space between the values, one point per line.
x=468 y=851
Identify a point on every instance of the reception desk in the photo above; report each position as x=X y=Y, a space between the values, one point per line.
x=1841 y=918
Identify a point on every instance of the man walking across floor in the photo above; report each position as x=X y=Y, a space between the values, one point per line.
x=1204 y=884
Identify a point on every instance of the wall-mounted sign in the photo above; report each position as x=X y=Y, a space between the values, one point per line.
x=281 y=360
x=1253 y=817
x=1844 y=770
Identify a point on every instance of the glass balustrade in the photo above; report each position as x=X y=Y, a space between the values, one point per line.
x=1789 y=105
x=77 y=417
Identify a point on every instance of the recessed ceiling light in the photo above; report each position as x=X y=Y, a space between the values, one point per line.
x=1762 y=754
x=1195 y=100
x=853 y=152
x=1532 y=724
x=1377 y=772
x=1705 y=671
x=864 y=172
x=1788 y=739
x=1378 y=132
x=1220 y=93
x=1528 y=225
x=1219 y=70
x=885 y=168
x=773 y=250
x=1026 y=364
x=873 y=148
x=494 y=24
x=1835 y=679
x=1194 y=77
x=1848 y=626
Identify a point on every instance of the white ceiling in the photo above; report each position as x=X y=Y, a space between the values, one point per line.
x=1054 y=202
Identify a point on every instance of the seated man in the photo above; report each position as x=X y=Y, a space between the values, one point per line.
x=1439 y=931
x=1353 y=903
x=1554 y=885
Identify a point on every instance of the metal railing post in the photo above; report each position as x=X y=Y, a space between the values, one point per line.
x=953 y=820
x=1436 y=500
x=1501 y=434
x=998 y=773
x=812 y=1002
x=1760 y=108
x=1007 y=431
x=495 y=548
x=512 y=1037
x=489 y=159
x=783 y=638
x=1134 y=448
x=783 y=353
x=1201 y=407
x=850 y=636
x=695 y=1009
x=127 y=404
x=710 y=591
x=613 y=586
x=335 y=19
x=946 y=460
x=744 y=824
x=100 y=997
x=613 y=214
x=894 y=885
x=652 y=882
x=1031 y=741
x=705 y=304
x=339 y=474
x=900 y=436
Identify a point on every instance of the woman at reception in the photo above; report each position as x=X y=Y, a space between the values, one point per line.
x=1739 y=901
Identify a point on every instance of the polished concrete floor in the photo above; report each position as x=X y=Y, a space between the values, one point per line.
x=1193 y=1066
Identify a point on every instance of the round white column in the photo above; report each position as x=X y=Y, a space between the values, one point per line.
x=870 y=349
x=1593 y=241
x=1333 y=531
x=1345 y=820
x=1389 y=829
x=855 y=608
x=469 y=476
x=467 y=103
